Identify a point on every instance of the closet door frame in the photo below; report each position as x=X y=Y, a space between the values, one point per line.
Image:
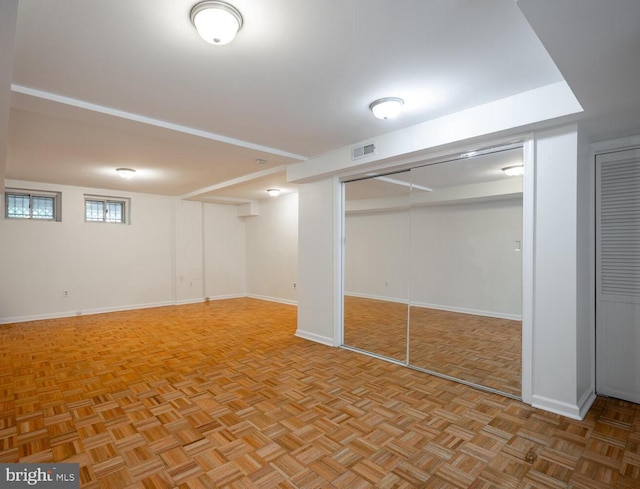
x=527 y=141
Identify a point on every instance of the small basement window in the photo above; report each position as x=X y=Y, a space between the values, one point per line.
x=32 y=204
x=106 y=209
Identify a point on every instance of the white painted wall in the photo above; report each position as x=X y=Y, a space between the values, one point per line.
x=319 y=309
x=225 y=252
x=173 y=252
x=562 y=294
x=554 y=375
x=585 y=278
x=272 y=250
x=189 y=251
x=103 y=266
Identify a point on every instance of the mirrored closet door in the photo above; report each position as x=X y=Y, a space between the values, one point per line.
x=376 y=265
x=466 y=271
x=433 y=269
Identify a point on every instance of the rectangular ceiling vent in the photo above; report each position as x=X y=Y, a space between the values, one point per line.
x=362 y=151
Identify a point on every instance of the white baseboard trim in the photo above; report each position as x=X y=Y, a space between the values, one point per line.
x=82 y=312
x=465 y=310
x=272 y=299
x=586 y=401
x=224 y=297
x=37 y=317
x=573 y=411
x=184 y=302
x=376 y=297
x=131 y=307
x=306 y=335
x=439 y=307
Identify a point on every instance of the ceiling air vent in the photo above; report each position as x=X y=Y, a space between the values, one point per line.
x=362 y=151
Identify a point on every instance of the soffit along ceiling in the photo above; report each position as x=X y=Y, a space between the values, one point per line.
x=596 y=45
x=104 y=84
x=458 y=171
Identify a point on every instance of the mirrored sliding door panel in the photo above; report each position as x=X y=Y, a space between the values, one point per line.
x=466 y=271
x=376 y=265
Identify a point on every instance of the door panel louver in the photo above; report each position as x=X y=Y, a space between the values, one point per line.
x=620 y=228
x=618 y=274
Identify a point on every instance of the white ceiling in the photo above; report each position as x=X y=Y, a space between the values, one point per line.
x=104 y=84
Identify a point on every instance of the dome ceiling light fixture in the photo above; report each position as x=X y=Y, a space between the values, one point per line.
x=217 y=22
x=386 y=108
x=126 y=173
x=273 y=192
x=513 y=171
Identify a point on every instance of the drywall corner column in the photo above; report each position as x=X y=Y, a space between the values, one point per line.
x=586 y=279
x=559 y=298
x=318 y=259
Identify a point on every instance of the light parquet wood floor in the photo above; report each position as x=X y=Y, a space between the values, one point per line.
x=222 y=394
x=478 y=349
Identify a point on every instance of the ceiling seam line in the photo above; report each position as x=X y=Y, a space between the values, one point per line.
x=235 y=181
x=61 y=99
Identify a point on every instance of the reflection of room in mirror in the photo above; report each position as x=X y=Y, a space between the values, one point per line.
x=431 y=272
x=480 y=350
x=376 y=326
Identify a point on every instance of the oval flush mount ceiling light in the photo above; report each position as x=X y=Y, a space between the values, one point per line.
x=513 y=171
x=217 y=22
x=126 y=173
x=273 y=192
x=386 y=108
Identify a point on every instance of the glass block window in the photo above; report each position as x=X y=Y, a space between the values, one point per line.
x=25 y=204
x=99 y=209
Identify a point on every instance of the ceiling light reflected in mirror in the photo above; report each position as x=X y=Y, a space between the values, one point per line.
x=513 y=171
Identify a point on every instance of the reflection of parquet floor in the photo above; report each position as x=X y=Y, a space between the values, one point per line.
x=481 y=350
x=376 y=326
x=222 y=394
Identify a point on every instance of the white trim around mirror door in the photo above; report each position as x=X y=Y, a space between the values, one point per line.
x=528 y=268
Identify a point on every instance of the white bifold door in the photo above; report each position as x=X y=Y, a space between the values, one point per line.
x=618 y=274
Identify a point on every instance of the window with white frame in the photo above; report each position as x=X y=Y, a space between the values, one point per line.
x=106 y=209
x=32 y=204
